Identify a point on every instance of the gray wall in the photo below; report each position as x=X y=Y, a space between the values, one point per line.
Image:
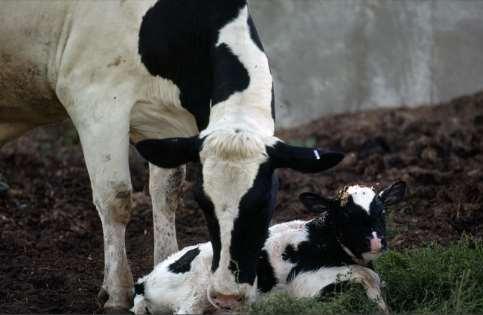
x=332 y=56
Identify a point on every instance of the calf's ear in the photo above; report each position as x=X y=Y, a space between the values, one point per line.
x=170 y=153
x=393 y=194
x=305 y=160
x=317 y=204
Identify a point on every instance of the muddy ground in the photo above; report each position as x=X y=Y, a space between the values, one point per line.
x=51 y=257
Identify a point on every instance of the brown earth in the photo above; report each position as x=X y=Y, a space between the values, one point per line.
x=51 y=257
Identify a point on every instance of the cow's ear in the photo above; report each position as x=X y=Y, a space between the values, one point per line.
x=317 y=204
x=170 y=153
x=393 y=194
x=306 y=160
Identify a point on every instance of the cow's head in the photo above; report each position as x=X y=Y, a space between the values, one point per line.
x=237 y=193
x=358 y=213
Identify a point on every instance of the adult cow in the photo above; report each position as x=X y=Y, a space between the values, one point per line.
x=137 y=69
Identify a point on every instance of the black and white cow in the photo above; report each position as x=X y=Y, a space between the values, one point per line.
x=190 y=71
x=301 y=258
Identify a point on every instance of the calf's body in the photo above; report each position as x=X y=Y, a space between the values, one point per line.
x=179 y=284
x=298 y=257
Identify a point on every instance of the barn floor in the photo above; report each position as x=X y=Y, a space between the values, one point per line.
x=50 y=236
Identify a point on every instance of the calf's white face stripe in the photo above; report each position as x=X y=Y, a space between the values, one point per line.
x=317 y=156
x=362 y=196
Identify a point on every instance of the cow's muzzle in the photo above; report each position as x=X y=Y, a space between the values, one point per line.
x=227 y=302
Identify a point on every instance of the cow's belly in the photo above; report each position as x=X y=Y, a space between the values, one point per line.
x=26 y=97
x=29 y=33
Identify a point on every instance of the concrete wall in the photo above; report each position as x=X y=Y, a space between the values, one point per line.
x=332 y=56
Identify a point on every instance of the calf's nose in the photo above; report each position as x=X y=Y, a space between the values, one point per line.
x=376 y=245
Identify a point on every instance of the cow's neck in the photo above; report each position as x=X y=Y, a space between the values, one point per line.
x=242 y=83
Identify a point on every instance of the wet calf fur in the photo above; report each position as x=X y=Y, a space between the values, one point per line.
x=300 y=258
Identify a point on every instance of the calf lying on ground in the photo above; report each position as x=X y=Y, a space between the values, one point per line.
x=299 y=257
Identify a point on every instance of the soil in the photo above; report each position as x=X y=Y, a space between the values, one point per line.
x=51 y=258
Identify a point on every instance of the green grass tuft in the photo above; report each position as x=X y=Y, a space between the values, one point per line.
x=433 y=279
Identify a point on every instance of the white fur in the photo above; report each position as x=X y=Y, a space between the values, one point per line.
x=362 y=196
x=166 y=291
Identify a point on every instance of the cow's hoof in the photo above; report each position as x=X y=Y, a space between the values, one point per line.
x=108 y=306
x=102 y=298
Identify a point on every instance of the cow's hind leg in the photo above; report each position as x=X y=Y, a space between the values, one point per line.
x=10 y=131
x=164 y=188
x=105 y=143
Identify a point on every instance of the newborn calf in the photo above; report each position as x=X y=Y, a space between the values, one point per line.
x=299 y=257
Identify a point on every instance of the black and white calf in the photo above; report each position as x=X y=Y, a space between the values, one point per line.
x=299 y=257
x=130 y=70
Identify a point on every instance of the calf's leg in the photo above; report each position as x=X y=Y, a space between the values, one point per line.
x=372 y=283
x=310 y=284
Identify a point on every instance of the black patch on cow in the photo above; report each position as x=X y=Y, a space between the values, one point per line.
x=210 y=217
x=177 y=42
x=214 y=229
x=254 y=33
x=322 y=249
x=266 y=275
x=250 y=229
x=229 y=74
x=183 y=264
x=139 y=288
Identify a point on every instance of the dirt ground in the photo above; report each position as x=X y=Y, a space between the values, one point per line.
x=51 y=257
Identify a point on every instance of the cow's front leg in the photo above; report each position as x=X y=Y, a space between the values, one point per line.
x=164 y=188
x=105 y=144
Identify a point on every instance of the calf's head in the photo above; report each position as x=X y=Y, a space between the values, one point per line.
x=358 y=215
x=237 y=193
